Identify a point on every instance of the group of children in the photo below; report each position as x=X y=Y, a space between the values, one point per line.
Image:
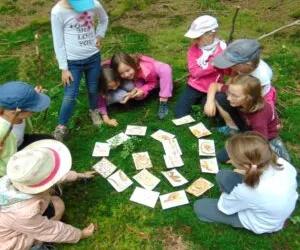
x=32 y=164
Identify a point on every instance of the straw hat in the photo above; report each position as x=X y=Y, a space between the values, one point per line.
x=39 y=166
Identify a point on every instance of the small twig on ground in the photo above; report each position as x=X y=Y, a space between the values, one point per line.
x=19 y=41
x=293 y=89
x=40 y=60
x=144 y=117
x=181 y=78
x=230 y=38
x=280 y=104
x=104 y=54
x=297 y=22
x=289 y=92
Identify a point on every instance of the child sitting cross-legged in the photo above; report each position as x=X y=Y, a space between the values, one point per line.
x=29 y=214
x=260 y=200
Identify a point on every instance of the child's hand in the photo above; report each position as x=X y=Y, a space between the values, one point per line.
x=39 y=89
x=138 y=93
x=210 y=109
x=88 y=231
x=110 y=122
x=87 y=175
x=66 y=77
x=98 y=42
x=126 y=98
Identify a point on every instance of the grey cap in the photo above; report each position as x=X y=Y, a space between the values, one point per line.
x=240 y=51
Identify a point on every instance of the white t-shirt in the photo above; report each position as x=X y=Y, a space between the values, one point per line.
x=18 y=130
x=265 y=208
x=264 y=73
x=73 y=32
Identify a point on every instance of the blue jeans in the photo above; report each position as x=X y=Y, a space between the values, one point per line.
x=189 y=97
x=91 y=68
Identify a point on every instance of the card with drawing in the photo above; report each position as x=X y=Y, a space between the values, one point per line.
x=161 y=135
x=173 y=199
x=173 y=161
x=120 y=181
x=175 y=178
x=171 y=147
x=144 y=197
x=146 y=179
x=104 y=167
x=209 y=165
x=136 y=130
x=183 y=120
x=199 y=187
x=117 y=140
x=101 y=149
x=199 y=130
x=207 y=147
x=142 y=160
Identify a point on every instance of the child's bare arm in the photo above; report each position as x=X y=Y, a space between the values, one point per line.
x=210 y=105
x=109 y=121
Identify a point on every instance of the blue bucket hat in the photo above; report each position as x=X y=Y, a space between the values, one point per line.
x=82 y=5
x=21 y=95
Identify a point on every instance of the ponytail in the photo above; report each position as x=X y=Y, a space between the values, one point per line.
x=251 y=177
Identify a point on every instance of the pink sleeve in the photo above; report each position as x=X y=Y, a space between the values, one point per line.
x=69 y=177
x=34 y=225
x=151 y=83
x=195 y=70
x=107 y=62
x=102 y=105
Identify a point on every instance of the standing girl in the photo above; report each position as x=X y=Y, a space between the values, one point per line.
x=147 y=74
x=206 y=45
x=259 y=201
x=76 y=46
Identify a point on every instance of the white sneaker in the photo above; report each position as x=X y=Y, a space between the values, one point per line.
x=95 y=117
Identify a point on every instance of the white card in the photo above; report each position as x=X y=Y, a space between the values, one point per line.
x=146 y=179
x=183 y=120
x=117 y=140
x=161 y=135
x=104 y=167
x=199 y=187
x=173 y=161
x=207 y=147
x=136 y=130
x=171 y=147
x=199 y=130
x=119 y=180
x=144 y=197
x=142 y=160
x=209 y=165
x=101 y=149
x=173 y=199
x=175 y=178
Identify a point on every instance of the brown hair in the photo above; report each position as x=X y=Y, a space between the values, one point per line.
x=131 y=60
x=253 y=92
x=107 y=75
x=252 y=152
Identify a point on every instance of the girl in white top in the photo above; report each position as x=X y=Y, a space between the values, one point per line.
x=261 y=199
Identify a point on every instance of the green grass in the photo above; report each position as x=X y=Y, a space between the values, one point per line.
x=123 y=224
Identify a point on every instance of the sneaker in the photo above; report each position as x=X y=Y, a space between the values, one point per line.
x=43 y=246
x=225 y=130
x=60 y=133
x=279 y=148
x=163 y=110
x=95 y=117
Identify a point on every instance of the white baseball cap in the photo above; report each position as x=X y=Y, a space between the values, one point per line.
x=201 y=25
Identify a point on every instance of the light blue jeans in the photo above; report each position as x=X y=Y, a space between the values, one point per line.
x=91 y=68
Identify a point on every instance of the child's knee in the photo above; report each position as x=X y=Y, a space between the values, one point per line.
x=59 y=206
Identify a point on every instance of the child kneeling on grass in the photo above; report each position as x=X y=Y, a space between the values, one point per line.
x=244 y=95
x=112 y=90
x=260 y=200
x=29 y=214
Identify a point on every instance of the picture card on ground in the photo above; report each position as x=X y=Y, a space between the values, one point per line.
x=146 y=179
x=199 y=130
x=209 y=165
x=175 y=178
x=101 y=149
x=104 y=167
x=199 y=187
x=136 y=130
x=144 y=197
x=141 y=160
x=183 y=120
x=171 y=147
x=173 y=161
x=207 y=147
x=117 y=140
x=161 y=135
x=173 y=199
x=119 y=180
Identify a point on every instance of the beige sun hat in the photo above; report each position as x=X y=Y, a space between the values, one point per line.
x=39 y=166
x=202 y=25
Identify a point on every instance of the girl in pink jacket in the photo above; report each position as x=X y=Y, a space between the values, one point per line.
x=147 y=74
x=206 y=45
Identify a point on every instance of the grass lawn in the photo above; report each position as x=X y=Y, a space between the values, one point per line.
x=154 y=28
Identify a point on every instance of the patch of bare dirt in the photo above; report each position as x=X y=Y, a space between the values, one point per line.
x=171 y=240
